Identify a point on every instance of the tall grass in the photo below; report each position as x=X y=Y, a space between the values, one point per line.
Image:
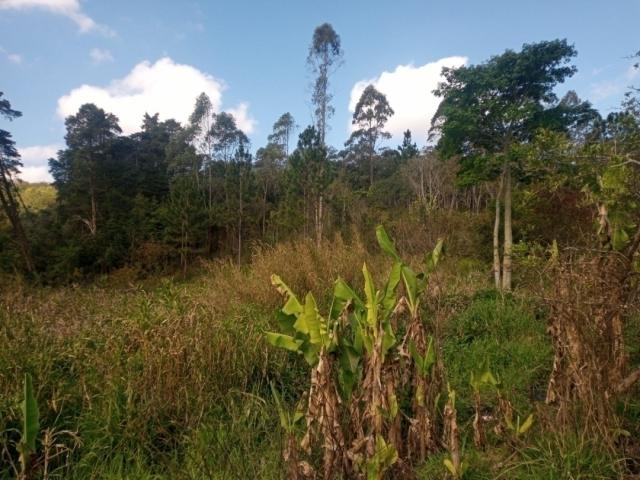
x=167 y=378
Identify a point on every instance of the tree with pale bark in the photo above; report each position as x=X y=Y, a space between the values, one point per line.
x=488 y=109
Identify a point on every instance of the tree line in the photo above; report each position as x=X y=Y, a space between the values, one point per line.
x=172 y=192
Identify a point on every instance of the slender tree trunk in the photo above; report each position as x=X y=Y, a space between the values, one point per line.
x=264 y=212
x=10 y=208
x=240 y=220
x=422 y=193
x=508 y=233
x=496 y=238
x=304 y=211
x=93 y=222
x=318 y=219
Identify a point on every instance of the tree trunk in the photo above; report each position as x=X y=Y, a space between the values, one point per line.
x=93 y=227
x=240 y=221
x=496 y=238
x=508 y=233
x=10 y=207
x=264 y=212
x=318 y=219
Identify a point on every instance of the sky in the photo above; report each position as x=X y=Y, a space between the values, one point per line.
x=136 y=56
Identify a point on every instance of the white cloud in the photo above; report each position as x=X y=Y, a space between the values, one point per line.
x=244 y=120
x=36 y=175
x=100 y=55
x=409 y=92
x=614 y=87
x=12 y=57
x=34 y=159
x=165 y=87
x=68 y=8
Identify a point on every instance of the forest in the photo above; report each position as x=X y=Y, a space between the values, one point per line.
x=182 y=304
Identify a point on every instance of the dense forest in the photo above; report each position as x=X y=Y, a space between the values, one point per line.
x=141 y=291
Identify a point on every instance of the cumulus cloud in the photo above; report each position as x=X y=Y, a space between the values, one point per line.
x=34 y=160
x=244 y=120
x=165 y=87
x=99 y=55
x=409 y=91
x=68 y=8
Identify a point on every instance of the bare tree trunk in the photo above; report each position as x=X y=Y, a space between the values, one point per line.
x=304 y=208
x=508 y=233
x=496 y=238
x=318 y=219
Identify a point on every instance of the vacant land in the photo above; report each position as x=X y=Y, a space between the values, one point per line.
x=170 y=378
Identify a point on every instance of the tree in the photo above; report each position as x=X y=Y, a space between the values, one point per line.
x=282 y=130
x=269 y=167
x=408 y=149
x=231 y=156
x=489 y=108
x=312 y=172
x=325 y=54
x=370 y=116
x=9 y=196
x=77 y=171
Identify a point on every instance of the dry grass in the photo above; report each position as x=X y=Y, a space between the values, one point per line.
x=140 y=365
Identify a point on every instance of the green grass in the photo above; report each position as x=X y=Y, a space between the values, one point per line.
x=170 y=379
x=507 y=333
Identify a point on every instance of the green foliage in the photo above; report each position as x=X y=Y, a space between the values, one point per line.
x=288 y=421
x=482 y=376
x=309 y=331
x=384 y=457
x=457 y=474
x=520 y=427
x=423 y=362
x=30 y=425
x=37 y=196
x=508 y=335
x=562 y=458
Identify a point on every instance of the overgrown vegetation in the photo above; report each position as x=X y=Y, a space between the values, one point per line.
x=495 y=337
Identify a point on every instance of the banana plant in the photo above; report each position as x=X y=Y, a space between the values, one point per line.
x=519 y=428
x=30 y=428
x=424 y=364
x=415 y=284
x=479 y=378
x=421 y=434
x=290 y=423
x=315 y=337
x=306 y=332
x=454 y=464
x=384 y=457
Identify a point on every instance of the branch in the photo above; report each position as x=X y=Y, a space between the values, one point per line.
x=627 y=162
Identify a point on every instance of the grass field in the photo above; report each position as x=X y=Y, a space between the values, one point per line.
x=169 y=378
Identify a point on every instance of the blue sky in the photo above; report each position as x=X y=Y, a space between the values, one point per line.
x=136 y=55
